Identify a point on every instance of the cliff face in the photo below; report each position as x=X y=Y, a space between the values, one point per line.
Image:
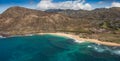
x=19 y=20
x=23 y=20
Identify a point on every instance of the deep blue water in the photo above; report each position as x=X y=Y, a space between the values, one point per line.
x=54 y=48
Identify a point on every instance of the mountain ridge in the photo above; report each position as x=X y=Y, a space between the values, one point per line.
x=20 y=20
x=100 y=15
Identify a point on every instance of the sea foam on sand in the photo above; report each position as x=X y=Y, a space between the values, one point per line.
x=78 y=41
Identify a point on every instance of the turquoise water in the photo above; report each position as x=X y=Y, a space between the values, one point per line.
x=54 y=48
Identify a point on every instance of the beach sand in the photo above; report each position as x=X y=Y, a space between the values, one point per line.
x=78 y=39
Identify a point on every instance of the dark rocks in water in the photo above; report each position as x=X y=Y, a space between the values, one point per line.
x=61 y=44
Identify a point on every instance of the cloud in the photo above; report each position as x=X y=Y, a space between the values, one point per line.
x=75 y=5
x=101 y=2
x=114 y=4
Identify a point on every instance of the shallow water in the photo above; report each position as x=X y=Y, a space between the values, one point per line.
x=54 y=48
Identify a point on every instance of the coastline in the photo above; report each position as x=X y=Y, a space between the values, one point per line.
x=78 y=39
x=72 y=36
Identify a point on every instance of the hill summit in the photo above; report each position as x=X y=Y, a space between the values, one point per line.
x=20 y=20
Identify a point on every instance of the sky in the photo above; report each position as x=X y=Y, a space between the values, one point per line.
x=59 y=4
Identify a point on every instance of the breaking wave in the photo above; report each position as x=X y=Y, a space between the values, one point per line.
x=101 y=49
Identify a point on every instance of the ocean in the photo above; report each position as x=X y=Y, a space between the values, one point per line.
x=54 y=48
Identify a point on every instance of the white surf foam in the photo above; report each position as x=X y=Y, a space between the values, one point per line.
x=116 y=52
x=78 y=41
x=101 y=49
x=2 y=37
x=29 y=35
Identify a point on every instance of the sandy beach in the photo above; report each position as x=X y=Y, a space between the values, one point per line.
x=78 y=39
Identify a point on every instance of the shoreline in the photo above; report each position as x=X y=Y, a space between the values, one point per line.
x=78 y=39
x=72 y=36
